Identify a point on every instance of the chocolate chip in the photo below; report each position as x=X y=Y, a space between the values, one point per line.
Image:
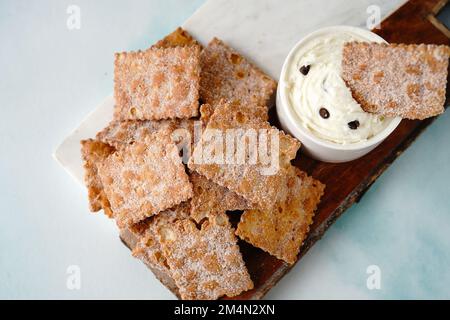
x=305 y=69
x=353 y=124
x=324 y=113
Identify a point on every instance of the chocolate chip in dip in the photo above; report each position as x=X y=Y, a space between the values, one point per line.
x=324 y=113
x=305 y=69
x=353 y=124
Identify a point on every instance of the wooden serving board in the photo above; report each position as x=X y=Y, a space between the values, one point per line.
x=346 y=183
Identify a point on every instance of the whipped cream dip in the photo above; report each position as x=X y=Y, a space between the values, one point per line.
x=320 y=100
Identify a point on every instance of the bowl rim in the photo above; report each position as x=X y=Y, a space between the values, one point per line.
x=297 y=128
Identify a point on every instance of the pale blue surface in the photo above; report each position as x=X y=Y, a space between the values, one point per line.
x=51 y=78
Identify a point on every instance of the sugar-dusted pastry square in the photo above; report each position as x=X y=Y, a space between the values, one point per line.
x=240 y=151
x=225 y=74
x=281 y=231
x=144 y=178
x=205 y=262
x=159 y=83
x=408 y=81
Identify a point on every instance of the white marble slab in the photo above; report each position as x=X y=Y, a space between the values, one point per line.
x=262 y=30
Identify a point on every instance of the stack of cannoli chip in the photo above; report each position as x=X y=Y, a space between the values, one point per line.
x=152 y=171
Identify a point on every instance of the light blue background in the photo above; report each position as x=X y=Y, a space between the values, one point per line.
x=50 y=78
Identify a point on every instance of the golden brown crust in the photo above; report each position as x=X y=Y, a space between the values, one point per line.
x=94 y=153
x=225 y=74
x=144 y=179
x=282 y=231
x=205 y=263
x=159 y=83
x=397 y=79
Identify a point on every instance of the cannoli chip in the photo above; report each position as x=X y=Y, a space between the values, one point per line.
x=159 y=83
x=205 y=263
x=282 y=231
x=145 y=178
x=408 y=81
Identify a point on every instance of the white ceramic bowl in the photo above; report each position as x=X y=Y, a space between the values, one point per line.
x=314 y=146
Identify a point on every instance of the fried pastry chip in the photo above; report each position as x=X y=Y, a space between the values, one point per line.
x=282 y=231
x=94 y=153
x=159 y=83
x=144 y=179
x=210 y=199
x=205 y=263
x=241 y=152
x=396 y=79
x=225 y=74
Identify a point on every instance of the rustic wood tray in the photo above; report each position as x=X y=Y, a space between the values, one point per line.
x=414 y=22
